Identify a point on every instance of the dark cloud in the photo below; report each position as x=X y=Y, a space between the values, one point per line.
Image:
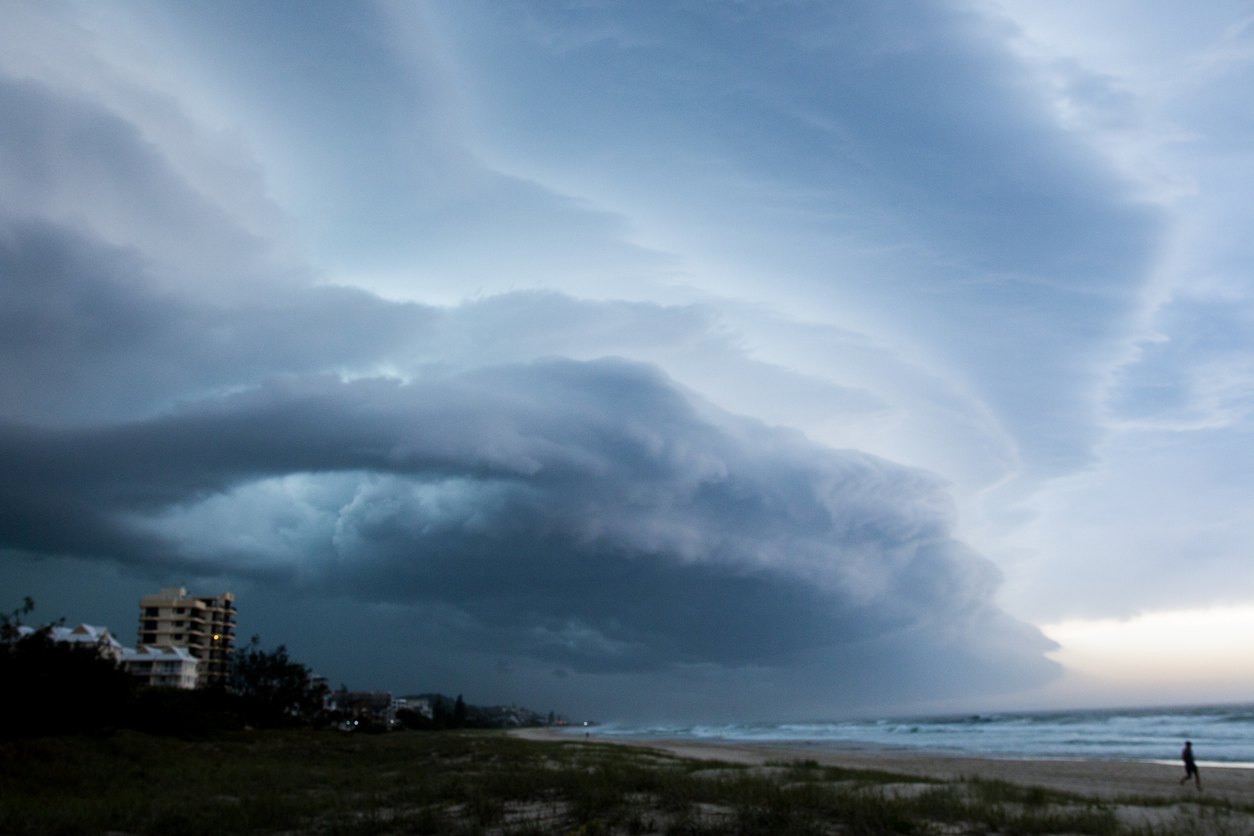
x=85 y=334
x=588 y=513
x=122 y=288
x=175 y=400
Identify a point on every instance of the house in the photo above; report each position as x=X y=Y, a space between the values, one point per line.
x=163 y=666
x=91 y=634
x=87 y=634
x=375 y=707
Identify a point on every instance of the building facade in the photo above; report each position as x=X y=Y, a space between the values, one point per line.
x=163 y=666
x=204 y=626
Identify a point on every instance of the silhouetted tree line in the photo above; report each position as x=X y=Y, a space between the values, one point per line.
x=278 y=690
x=446 y=713
x=51 y=687
x=449 y=713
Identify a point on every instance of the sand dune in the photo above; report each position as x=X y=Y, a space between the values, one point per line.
x=1102 y=779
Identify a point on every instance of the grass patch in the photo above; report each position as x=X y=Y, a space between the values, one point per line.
x=304 y=781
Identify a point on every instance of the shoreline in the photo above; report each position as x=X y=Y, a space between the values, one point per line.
x=1106 y=780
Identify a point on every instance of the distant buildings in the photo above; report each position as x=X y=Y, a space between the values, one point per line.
x=165 y=666
x=418 y=705
x=205 y=627
x=184 y=642
x=372 y=707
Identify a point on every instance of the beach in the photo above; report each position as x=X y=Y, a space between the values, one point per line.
x=1106 y=779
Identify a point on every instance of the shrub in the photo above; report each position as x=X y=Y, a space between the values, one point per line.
x=52 y=687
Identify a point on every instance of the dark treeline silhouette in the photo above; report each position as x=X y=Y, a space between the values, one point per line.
x=278 y=689
x=449 y=713
x=55 y=687
x=50 y=687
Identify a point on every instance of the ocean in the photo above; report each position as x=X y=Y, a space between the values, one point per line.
x=1221 y=735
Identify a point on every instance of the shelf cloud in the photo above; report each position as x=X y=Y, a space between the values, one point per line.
x=585 y=512
x=755 y=354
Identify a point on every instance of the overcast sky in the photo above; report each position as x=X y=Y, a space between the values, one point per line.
x=748 y=359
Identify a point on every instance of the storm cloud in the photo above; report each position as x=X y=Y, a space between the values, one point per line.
x=611 y=485
x=589 y=514
x=585 y=512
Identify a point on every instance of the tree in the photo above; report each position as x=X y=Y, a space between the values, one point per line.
x=459 y=712
x=53 y=687
x=10 y=622
x=275 y=689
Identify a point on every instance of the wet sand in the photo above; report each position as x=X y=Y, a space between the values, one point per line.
x=1101 y=779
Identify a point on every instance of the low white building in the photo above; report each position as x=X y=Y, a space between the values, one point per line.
x=163 y=666
x=82 y=634
x=91 y=634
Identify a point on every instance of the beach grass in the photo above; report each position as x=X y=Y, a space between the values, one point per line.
x=305 y=781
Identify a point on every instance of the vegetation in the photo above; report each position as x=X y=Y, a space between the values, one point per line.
x=447 y=713
x=307 y=781
x=85 y=751
x=276 y=689
x=53 y=687
x=10 y=622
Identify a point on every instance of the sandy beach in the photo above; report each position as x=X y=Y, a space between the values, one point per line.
x=1101 y=779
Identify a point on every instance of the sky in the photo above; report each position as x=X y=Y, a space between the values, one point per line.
x=715 y=359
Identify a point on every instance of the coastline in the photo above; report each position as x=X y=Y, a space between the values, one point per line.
x=1105 y=779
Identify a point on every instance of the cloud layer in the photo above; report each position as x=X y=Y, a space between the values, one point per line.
x=583 y=512
x=680 y=346
x=586 y=513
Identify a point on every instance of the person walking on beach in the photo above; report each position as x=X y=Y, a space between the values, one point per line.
x=1190 y=765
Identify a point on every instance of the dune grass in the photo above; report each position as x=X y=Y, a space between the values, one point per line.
x=489 y=783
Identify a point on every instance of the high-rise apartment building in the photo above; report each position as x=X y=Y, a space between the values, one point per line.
x=205 y=626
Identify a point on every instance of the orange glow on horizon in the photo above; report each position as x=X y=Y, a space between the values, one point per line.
x=1210 y=646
